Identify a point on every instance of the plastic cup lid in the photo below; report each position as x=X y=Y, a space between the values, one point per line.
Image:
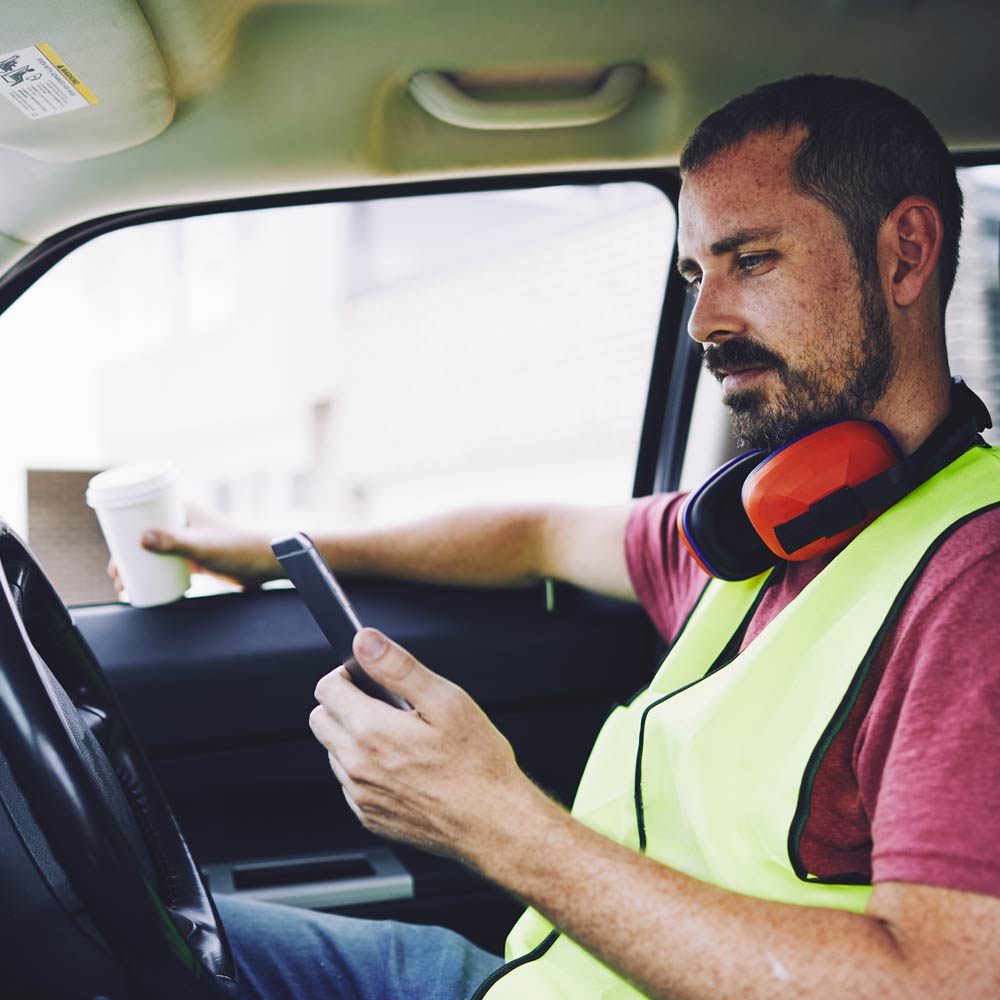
x=130 y=484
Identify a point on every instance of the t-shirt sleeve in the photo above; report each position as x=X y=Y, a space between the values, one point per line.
x=667 y=580
x=928 y=753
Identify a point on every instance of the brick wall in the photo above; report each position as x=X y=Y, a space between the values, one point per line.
x=65 y=537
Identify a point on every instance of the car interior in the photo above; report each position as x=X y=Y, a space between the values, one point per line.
x=348 y=262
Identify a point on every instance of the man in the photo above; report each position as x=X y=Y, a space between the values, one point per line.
x=816 y=816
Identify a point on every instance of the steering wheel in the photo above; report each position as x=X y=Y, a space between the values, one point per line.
x=94 y=801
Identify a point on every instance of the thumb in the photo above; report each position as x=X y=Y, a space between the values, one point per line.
x=395 y=668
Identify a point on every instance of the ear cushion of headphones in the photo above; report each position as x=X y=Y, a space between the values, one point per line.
x=715 y=528
x=786 y=483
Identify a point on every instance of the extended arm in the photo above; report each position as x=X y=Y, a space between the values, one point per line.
x=486 y=546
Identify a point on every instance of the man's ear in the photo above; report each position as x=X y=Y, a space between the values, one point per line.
x=910 y=239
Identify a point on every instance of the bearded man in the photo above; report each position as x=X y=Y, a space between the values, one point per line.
x=804 y=802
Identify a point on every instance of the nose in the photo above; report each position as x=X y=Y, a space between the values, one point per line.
x=715 y=316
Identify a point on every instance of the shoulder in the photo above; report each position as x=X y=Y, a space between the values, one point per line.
x=951 y=611
x=974 y=541
x=953 y=599
x=665 y=576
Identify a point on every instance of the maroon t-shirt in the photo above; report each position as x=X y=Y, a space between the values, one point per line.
x=909 y=789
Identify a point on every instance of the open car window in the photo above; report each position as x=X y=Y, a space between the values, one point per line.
x=340 y=364
x=973 y=319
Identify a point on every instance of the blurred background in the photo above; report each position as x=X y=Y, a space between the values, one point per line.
x=339 y=365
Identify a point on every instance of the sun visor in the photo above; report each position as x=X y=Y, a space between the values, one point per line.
x=79 y=80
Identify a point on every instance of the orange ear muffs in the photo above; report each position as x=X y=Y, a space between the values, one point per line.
x=760 y=508
x=812 y=496
x=812 y=478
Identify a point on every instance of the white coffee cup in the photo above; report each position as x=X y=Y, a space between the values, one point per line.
x=128 y=500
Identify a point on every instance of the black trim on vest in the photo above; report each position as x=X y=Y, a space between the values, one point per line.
x=844 y=710
x=717 y=665
x=732 y=648
x=497 y=974
x=540 y=949
x=690 y=615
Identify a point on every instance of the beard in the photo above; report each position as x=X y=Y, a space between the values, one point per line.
x=839 y=388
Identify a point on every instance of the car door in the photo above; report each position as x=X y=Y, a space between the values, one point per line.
x=219 y=686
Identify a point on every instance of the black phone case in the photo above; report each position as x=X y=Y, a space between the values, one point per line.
x=328 y=604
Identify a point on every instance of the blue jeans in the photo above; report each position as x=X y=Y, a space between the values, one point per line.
x=286 y=953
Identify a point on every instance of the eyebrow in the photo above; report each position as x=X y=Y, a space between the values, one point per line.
x=736 y=241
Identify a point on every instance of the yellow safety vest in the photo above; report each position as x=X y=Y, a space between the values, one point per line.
x=711 y=773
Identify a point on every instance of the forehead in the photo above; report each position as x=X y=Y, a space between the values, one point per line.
x=746 y=188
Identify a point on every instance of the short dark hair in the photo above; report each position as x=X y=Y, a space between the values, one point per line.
x=866 y=149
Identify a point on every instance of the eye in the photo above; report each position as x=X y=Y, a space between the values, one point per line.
x=750 y=262
x=692 y=284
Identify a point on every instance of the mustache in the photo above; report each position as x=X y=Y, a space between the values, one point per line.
x=739 y=354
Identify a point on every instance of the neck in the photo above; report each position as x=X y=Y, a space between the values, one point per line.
x=912 y=409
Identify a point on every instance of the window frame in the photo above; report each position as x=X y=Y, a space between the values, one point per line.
x=673 y=371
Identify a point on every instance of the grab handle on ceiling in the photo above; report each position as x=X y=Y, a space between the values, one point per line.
x=439 y=95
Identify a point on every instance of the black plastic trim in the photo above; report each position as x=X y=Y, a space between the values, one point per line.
x=667 y=398
x=192 y=652
x=49 y=252
x=977 y=158
x=682 y=383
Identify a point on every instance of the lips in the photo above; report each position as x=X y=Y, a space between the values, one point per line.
x=740 y=362
x=740 y=378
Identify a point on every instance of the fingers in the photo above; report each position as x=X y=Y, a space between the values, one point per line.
x=347 y=785
x=162 y=541
x=115 y=577
x=399 y=671
x=331 y=735
x=153 y=541
x=167 y=543
x=352 y=805
x=195 y=516
x=345 y=712
x=215 y=545
x=409 y=775
x=354 y=751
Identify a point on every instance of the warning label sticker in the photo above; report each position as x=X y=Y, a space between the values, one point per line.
x=39 y=84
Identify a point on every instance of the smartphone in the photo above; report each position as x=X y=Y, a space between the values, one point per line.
x=328 y=604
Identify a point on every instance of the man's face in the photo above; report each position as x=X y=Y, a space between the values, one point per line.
x=794 y=334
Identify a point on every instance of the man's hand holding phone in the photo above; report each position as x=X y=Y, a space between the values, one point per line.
x=441 y=777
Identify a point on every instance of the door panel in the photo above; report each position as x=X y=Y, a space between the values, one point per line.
x=219 y=690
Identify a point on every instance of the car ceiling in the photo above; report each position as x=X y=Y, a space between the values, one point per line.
x=207 y=99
